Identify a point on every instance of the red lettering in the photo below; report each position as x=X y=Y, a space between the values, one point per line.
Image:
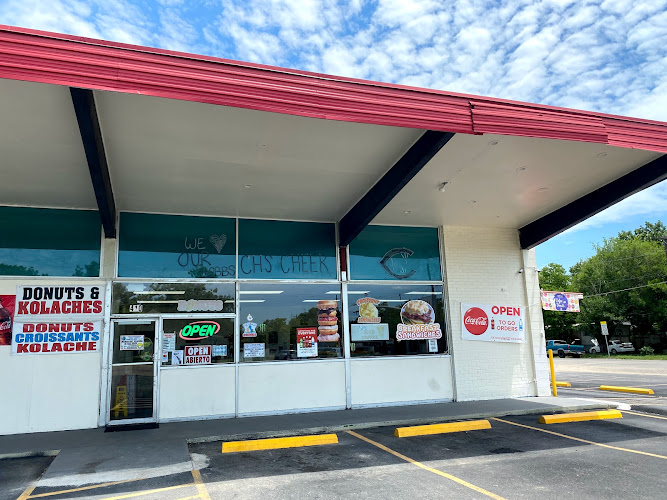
x=57 y=347
x=54 y=327
x=34 y=308
x=55 y=307
x=23 y=308
x=34 y=347
x=92 y=346
x=69 y=346
x=88 y=327
x=87 y=306
x=494 y=309
x=41 y=327
x=81 y=346
x=43 y=309
x=21 y=348
x=66 y=307
x=28 y=327
x=516 y=311
x=45 y=347
x=76 y=307
x=97 y=306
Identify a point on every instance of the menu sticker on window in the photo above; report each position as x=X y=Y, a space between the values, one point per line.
x=418 y=322
x=366 y=332
x=368 y=312
x=306 y=342
x=131 y=342
x=432 y=345
x=253 y=350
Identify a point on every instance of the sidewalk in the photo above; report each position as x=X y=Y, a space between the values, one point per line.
x=93 y=456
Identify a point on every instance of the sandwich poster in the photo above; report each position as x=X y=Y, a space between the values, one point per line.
x=493 y=323
x=418 y=322
x=306 y=342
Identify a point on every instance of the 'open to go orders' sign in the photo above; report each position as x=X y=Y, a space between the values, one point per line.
x=493 y=322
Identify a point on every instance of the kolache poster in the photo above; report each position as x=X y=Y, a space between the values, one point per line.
x=493 y=323
x=57 y=319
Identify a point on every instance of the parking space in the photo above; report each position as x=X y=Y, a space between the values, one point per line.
x=17 y=474
x=517 y=458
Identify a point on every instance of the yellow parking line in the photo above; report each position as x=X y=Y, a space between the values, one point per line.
x=275 y=443
x=581 y=440
x=26 y=493
x=83 y=488
x=616 y=388
x=430 y=469
x=201 y=487
x=423 y=430
x=644 y=415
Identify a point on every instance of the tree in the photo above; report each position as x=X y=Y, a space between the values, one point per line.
x=557 y=324
x=622 y=282
x=648 y=232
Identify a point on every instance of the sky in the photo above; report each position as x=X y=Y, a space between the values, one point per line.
x=599 y=55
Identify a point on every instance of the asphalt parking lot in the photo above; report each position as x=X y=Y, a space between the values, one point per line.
x=587 y=375
x=517 y=458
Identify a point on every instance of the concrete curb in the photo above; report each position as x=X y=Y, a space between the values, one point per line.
x=394 y=423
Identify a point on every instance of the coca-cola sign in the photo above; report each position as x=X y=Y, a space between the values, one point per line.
x=500 y=322
x=475 y=321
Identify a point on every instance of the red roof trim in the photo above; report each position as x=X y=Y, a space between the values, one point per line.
x=44 y=57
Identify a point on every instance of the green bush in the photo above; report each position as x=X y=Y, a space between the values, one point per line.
x=646 y=351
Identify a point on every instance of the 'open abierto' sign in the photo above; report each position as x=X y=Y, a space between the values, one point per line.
x=197 y=355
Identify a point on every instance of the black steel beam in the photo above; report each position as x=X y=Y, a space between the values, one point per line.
x=91 y=136
x=594 y=202
x=379 y=196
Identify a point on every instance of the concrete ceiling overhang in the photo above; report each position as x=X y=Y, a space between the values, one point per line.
x=186 y=153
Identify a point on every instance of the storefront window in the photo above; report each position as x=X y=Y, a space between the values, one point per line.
x=176 y=246
x=389 y=320
x=396 y=253
x=290 y=322
x=49 y=242
x=286 y=250
x=189 y=342
x=162 y=298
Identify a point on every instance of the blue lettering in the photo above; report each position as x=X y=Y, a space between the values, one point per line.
x=19 y=338
x=61 y=337
x=70 y=337
x=52 y=337
x=28 y=337
x=78 y=337
x=96 y=336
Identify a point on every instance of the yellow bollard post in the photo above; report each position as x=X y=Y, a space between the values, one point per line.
x=553 y=373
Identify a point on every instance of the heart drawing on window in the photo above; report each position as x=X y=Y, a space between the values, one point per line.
x=218 y=241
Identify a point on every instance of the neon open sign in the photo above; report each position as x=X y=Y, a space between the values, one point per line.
x=199 y=330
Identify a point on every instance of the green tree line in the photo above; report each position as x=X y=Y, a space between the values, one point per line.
x=624 y=283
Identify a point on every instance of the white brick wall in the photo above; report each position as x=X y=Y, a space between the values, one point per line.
x=481 y=266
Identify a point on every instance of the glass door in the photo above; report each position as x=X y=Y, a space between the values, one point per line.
x=133 y=372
